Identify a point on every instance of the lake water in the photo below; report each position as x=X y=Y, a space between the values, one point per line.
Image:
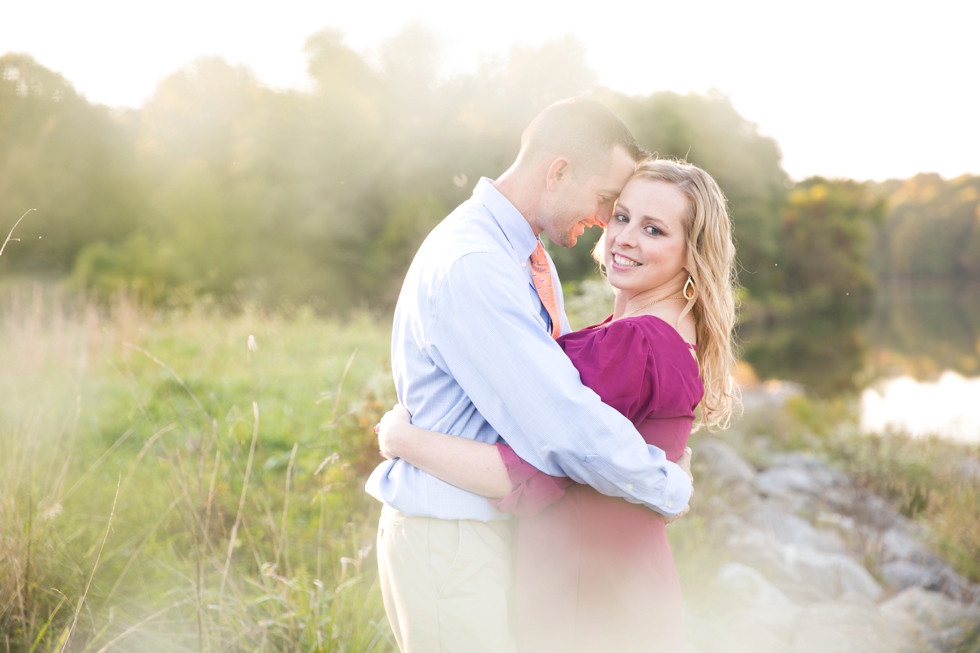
x=948 y=407
x=914 y=362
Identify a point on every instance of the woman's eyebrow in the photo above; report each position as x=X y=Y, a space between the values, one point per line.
x=656 y=221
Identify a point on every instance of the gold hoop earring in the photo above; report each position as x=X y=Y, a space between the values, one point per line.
x=694 y=290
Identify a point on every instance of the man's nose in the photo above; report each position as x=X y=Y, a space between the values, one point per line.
x=603 y=215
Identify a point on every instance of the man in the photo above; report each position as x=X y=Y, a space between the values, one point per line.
x=473 y=355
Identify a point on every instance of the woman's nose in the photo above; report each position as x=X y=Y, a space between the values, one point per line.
x=626 y=237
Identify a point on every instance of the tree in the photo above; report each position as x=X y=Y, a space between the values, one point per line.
x=71 y=160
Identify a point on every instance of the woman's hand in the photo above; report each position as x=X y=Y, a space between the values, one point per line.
x=391 y=429
x=684 y=462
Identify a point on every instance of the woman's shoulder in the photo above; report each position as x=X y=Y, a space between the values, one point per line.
x=646 y=340
x=648 y=330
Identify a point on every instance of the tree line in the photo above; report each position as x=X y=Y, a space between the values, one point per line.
x=221 y=186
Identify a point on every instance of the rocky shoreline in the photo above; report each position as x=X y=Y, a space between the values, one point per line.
x=814 y=563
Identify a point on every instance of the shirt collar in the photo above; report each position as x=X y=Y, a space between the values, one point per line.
x=514 y=225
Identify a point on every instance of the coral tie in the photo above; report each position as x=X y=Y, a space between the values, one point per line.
x=541 y=276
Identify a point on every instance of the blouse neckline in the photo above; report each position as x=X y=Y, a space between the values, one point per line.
x=606 y=322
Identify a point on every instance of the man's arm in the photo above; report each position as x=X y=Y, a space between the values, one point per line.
x=486 y=332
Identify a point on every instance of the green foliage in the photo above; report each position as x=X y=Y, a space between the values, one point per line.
x=70 y=160
x=220 y=186
x=932 y=229
x=827 y=228
x=809 y=327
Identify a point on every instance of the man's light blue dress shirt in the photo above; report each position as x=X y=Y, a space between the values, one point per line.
x=472 y=356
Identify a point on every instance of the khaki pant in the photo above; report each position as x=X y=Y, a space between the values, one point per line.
x=446 y=584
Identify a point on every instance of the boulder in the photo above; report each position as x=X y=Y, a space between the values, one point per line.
x=744 y=635
x=833 y=574
x=790 y=529
x=903 y=541
x=901 y=574
x=803 y=482
x=749 y=585
x=724 y=463
x=932 y=620
x=845 y=628
x=721 y=467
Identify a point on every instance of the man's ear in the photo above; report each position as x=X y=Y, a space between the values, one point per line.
x=557 y=172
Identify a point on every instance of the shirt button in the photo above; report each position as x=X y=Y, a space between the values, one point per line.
x=630 y=487
x=670 y=504
x=523 y=265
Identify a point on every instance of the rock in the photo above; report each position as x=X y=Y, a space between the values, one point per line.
x=841 y=523
x=745 y=635
x=750 y=585
x=845 y=628
x=786 y=483
x=803 y=482
x=934 y=621
x=752 y=547
x=790 y=529
x=724 y=463
x=903 y=542
x=833 y=574
x=780 y=620
x=870 y=510
x=902 y=574
x=805 y=575
x=727 y=470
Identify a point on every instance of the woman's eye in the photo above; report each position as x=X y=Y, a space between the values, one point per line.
x=622 y=218
x=653 y=231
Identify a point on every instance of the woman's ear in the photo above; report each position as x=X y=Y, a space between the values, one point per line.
x=690 y=265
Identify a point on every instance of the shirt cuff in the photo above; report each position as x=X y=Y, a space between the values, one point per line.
x=533 y=490
x=677 y=491
x=667 y=492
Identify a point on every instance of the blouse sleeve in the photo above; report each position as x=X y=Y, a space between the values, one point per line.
x=618 y=363
x=533 y=489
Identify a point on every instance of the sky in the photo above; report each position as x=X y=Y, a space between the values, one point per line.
x=860 y=89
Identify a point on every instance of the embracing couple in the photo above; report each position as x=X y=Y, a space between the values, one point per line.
x=504 y=411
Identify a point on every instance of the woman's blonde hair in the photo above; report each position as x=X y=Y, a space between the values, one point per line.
x=711 y=264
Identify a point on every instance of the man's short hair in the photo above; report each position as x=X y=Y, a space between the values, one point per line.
x=582 y=130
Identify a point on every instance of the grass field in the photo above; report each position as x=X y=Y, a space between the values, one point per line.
x=163 y=486
x=166 y=486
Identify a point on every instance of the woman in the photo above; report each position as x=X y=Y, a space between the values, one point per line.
x=595 y=573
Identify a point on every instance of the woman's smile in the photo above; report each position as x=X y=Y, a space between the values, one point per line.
x=623 y=262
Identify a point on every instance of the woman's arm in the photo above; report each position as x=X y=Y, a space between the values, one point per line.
x=472 y=466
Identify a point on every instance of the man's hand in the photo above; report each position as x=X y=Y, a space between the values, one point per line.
x=684 y=462
x=390 y=429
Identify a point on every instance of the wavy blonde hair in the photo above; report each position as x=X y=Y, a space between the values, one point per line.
x=711 y=264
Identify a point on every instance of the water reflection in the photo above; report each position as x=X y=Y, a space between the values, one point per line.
x=899 y=356
x=948 y=408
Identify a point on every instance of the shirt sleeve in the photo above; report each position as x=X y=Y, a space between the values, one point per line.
x=533 y=489
x=487 y=332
